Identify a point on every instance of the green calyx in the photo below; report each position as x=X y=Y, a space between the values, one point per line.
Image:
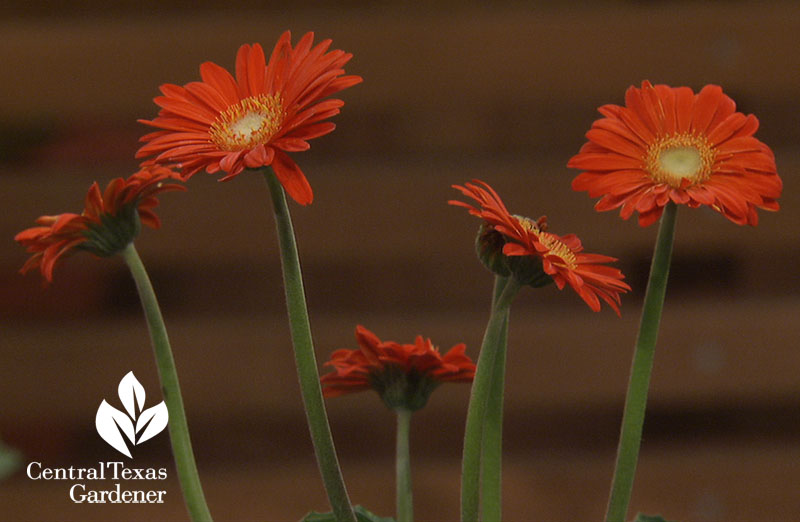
x=402 y=389
x=114 y=232
x=527 y=270
x=489 y=247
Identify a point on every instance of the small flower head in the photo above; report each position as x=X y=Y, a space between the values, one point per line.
x=269 y=109
x=110 y=220
x=404 y=375
x=669 y=144
x=535 y=256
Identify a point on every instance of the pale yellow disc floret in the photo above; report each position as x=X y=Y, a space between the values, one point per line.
x=248 y=123
x=672 y=159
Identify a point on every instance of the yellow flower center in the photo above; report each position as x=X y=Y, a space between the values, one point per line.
x=248 y=123
x=555 y=246
x=671 y=159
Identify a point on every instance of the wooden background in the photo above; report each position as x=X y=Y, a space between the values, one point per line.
x=451 y=93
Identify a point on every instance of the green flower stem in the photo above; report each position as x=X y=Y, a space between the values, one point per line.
x=636 y=398
x=479 y=399
x=405 y=502
x=492 y=457
x=305 y=359
x=178 y=428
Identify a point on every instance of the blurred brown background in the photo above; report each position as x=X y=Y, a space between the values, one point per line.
x=451 y=92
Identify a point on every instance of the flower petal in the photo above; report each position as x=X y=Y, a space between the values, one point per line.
x=292 y=178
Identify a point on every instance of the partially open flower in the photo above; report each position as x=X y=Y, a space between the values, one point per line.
x=252 y=121
x=109 y=222
x=533 y=255
x=669 y=144
x=404 y=375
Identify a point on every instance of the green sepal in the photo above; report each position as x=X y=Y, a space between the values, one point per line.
x=526 y=270
x=362 y=515
x=641 y=517
x=401 y=389
x=489 y=247
x=114 y=232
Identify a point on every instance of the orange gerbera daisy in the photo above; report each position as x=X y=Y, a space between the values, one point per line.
x=560 y=258
x=404 y=375
x=227 y=124
x=110 y=220
x=669 y=144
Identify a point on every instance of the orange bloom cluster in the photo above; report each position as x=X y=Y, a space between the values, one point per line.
x=561 y=257
x=669 y=144
x=110 y=220
x=404 y=375
x=269 y=109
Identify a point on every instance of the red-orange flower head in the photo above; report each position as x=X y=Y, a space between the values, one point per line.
x=404 y=375
x=109 y=222
x=515 y=245
x=669 y=144
x=227 y=124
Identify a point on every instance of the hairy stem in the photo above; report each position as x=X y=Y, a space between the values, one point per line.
x=178 y=428
x=405 y=503
x=479 y=400
x=305 y=359
x=636 y=399
x=492 y=457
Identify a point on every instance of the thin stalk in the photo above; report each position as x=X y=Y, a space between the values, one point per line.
x=636 y=399
x=405 y=502
x=492 y=457
x=306 y=361
x=178 y=428
x=479 y=399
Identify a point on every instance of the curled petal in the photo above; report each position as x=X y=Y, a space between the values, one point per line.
x=537 y=253
x=110 y=220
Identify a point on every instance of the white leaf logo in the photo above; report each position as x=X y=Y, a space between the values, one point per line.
x=129 y=389
x=153 y=420
x=108 y=428
x=112 y=423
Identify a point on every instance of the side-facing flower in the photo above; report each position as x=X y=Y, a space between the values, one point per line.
x=404 y=375
x=110 y=220
x=252 y=121
x=670 y=144
x=531 y=253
